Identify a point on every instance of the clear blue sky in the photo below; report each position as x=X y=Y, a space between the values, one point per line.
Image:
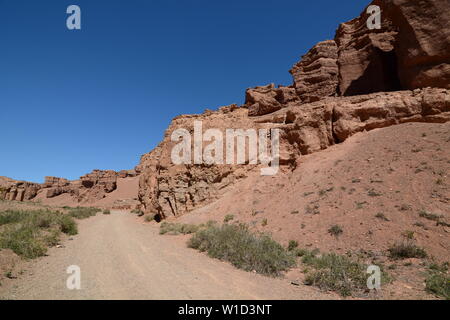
x=99 y=98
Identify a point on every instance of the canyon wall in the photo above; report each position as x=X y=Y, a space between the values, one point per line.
x=360 y=80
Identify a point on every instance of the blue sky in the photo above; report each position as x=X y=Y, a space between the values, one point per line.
x=100 y=97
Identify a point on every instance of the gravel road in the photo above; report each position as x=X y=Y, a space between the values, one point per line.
x=122 y=258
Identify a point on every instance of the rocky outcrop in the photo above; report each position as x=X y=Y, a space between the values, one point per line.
x=268 y=99
x=168 y=189
x=410 y=51
x=362 y=80
x=91 y=187
x=171 y=190
x=51 y=182
x=364 y=113
x=13 y=190
x=316 y=75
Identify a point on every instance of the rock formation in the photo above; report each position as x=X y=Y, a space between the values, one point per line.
x=362 y=80
x=410 y=51
x=91 y=187
x=17 y=190
x=316 y=75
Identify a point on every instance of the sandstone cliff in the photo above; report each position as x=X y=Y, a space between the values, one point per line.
x=361 y=80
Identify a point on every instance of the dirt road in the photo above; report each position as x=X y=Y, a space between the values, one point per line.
x=122 y=258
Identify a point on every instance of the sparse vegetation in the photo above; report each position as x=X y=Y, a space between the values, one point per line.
x=381 y=216
x=335 y=272
x=29 y=233
x=138 y=212
x=177 y=228
x=406 y=249
x=373 y=193
x=83 y=212
x=434 y=217
x=438 y=283
x=336 y=230
x=292 y=245
x=68 y=225
x=107 y=212
x=360 y=205
x=405 y=207
x=420 y=225
x=149 y=218
x=228 y=218
x=243 y=249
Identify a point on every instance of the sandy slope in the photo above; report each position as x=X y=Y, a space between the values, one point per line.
x=121 y=258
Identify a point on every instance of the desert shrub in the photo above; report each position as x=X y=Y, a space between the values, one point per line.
x=83 y=212
x=406 y=249
x=429 y=216
x=28 y=233
x=177 y=228
x=438 y=284
x=150 y=218
x=24 y=240
x=68 y=225
x=12 y=216
x=51 y=239
x=336 y=230
x=107 y=212
x=305 y=253
x=228 y=218
x=138 y=212
x=292 y=245
x=337 y=273
x=439 y=267
x=381 y=216
x=245 y=250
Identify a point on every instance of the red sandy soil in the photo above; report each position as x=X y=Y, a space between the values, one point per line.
x=397 y=171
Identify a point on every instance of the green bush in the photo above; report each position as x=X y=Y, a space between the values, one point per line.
x=28 y=233
x=336 y=230
x=177 y=228
x=12 y=216
x=83 y=213
x=438 y=284
x=247 y=251
x=106 y=212
x=429 y=216
x=68 y=225
x=228 y=218
x=292 y=245
x=24 y=240
x=405 y=250
x=335 y=272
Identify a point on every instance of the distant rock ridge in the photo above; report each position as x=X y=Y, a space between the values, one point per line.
x=91 y=187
